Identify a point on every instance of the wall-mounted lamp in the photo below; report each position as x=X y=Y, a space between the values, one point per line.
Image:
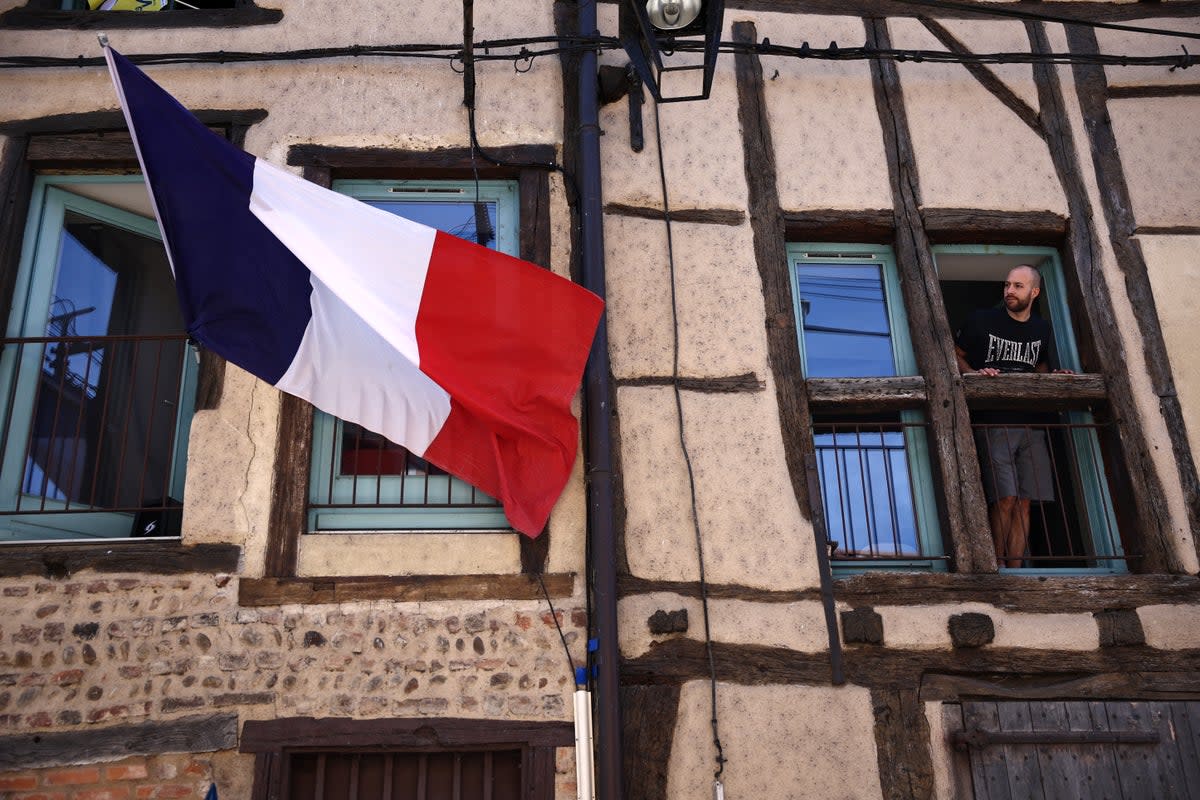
x=673 y=45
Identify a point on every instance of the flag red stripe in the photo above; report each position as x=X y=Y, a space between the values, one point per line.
x=508 y=341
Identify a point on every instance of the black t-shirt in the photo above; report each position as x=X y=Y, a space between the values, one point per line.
x=991 y=338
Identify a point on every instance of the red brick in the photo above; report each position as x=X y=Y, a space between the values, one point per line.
x=126 y=772
x=13 y=781
x=111 y=793
x=197 y=768
x=75 y=775
x=39 y=796
x=167 y=791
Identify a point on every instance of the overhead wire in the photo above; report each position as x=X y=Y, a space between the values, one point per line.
x=518 y=52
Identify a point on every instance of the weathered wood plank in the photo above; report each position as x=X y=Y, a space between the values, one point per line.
x=680 y=660
x=951 y=443
x=902 y=745
x=260 y=736
x=1092 y=88
x=989 y=767
x=87 y=122
x=648 y=716
x=721 y=384
x=986 y=77
x=840 y=225
x=1185 y=724
x=1167 y=230
x=710 y=216
x=210 y=382
x=1033 y=594
x=116 y=555
x=385 y=162
x=857 y=395
x=766 y=221
x=1164 y=90
x=1042 y=391
x=959 y=225
x=1162 y=685
x=1024 y=772
x=272 y=591
x=194 y=734
x=16 y=185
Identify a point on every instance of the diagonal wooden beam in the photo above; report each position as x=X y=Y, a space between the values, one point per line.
x=952 y=444
x=987 y=78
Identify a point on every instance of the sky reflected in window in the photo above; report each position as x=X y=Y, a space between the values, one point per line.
x=844 y=310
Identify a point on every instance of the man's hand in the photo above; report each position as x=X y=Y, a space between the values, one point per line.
x=987 y=371
x=1064 y=372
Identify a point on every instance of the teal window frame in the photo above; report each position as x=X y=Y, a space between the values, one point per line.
x=1093 y=485
x=904 y=364
x=327 y=429
x=28 y=315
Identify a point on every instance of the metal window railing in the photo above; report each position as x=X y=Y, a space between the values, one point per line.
x=870 y=482
x=94 y=424
x=1060 y=467
x=365 y=470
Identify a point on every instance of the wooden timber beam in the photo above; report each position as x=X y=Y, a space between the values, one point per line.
x=951 y=443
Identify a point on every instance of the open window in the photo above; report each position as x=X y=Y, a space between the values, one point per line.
x=1074 y=527
x=359 y=479
x=97 y=379
x=872 y=466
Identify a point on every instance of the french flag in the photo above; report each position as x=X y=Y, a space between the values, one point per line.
x=466 y=356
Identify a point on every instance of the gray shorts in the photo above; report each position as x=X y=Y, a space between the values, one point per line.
x=1015 y=463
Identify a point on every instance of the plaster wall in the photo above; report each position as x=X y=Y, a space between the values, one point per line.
x=926 y=627
x=1171 y=627
x=750 y=523
x=1171 y=262
x=1158 y=138
x=828 y=143
x=796 y=626
x=798 y=742
x=971 y=150
x=702 y=147
x=718 y=297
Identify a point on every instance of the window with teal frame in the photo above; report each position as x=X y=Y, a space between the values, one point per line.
x=874 y=469
x=1077 y=531
x=97 y=379
x=362 y=482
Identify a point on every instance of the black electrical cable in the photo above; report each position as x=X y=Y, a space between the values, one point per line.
x=687 y=458
x=493 y=51
x=554 y=615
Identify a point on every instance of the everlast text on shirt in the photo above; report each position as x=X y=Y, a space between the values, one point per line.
x=1005 y=350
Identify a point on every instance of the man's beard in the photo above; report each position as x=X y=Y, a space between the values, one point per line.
x=1016 y=304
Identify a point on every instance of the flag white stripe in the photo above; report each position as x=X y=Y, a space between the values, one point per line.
x=348 y=369
x=374 y=261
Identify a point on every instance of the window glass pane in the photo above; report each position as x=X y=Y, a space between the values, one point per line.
x=475 y=222
x=844 y=315
x=866 y=488
x=96 y=378
x=109 y=282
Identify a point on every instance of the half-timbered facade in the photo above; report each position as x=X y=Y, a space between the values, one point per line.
x=777 y=535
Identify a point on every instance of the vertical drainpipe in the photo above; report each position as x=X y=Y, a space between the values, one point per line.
x=602 y=558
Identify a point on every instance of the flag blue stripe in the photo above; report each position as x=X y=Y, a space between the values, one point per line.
x=243 y=294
